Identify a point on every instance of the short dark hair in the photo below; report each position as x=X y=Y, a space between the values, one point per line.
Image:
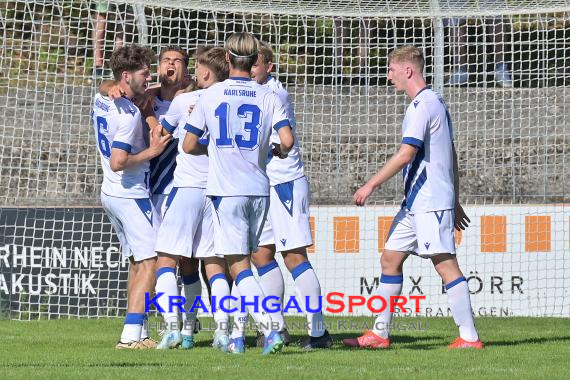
x=242 y=49
x=130 y=58
x=214 y=58
x=177 y=49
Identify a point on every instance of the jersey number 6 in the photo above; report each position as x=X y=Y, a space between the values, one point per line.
x=104 y=145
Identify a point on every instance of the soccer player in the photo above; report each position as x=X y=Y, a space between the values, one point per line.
x=430 y=210
x=187 y=227
x=239 y=115
x=173 y=75
x=125 y=192
x=287 y=225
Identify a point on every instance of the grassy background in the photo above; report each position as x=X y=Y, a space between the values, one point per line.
x=516 y=348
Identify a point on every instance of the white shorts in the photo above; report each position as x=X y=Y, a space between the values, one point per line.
x=238 y=222
x=187 y=228
x=287 y=225
x=135 y=222
x=424 y=234
x=159 y=202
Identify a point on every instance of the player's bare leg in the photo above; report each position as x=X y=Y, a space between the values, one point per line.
x=192 y=289
x=459 y=301
x=167 y=284
x=216 y=272
x=391 y=281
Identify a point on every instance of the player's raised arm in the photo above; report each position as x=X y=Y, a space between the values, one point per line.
x=395 y=164
x=111 y=89
x=283 y=127
x=121 y=157
x=195 y=128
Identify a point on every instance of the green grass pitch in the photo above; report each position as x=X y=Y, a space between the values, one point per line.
x=83 y=349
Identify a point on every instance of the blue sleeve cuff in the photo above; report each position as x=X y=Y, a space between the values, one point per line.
x=281 y=124
x=121 y=145
x=168 y=127
x=204 y=140
x=413 y=141
x=192 y=129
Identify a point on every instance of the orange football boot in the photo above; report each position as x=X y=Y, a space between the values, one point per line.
x=462 y=343
x=368 y=340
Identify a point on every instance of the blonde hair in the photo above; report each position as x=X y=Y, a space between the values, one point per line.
x=242 y=49
x=409 y=54
x=265 y=52
x=214 y=58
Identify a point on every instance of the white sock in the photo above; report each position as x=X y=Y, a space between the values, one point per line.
x=220 y=288
x=166 y=283
x=460 y=305
x=240 y=318
x=132 y=327
x=192 y=288
x=389 y=286
x=308 y=287
x=249 y=288
x=144 y=330
x=272 y=284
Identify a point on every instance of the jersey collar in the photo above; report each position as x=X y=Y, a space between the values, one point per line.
x=422 y=90
x=240 y=78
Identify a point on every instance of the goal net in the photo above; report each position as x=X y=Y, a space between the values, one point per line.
x=503 y=68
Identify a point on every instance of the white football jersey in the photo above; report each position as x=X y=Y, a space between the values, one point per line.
x=290 y=168
x=428 y=179
x=162 y=167
x=191 y=171
x=118 y=125
x=239 y=115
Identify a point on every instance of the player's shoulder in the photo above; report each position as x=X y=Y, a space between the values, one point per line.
x=214 y=90
x=426 y=99
x=186 y=98
x=103 y=104
x=278 y=88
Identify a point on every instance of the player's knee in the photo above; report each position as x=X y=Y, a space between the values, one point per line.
x=295 y=257
x=391 y=262
x=263 y=256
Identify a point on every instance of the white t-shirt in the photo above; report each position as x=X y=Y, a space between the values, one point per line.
x=290 y=168
x=239 y=115
x=162 y=167
x=191 y=171
x=117 y=124
x=428 y=179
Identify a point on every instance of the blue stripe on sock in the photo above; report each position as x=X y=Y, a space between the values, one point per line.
x=190 y=278
x=164 y=270
x=134 y=319
x=217 y=276
x=299 y=269
x=243 y=274
x=266 y=268
x=387 y=279
x=454 y=282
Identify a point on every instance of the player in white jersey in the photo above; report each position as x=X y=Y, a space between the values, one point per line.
x=187 y=227
x=173 y=74
x=287 y=227
x=431 y=208
x=124 y=193
x=239 y=115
